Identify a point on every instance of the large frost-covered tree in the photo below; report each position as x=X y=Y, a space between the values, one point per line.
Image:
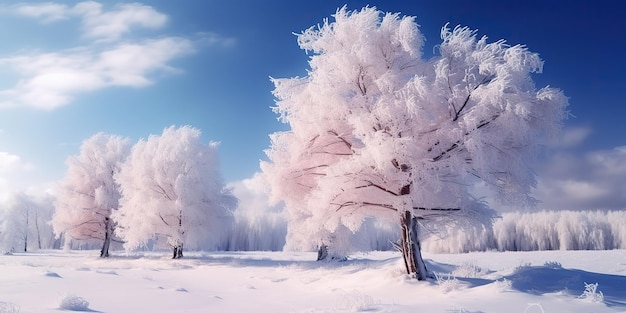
x=378 y=131
x=88 y=193
x=173 y=194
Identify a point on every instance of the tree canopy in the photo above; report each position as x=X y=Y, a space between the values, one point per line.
x=88 y=193
x=377 y=130
x=173 y=193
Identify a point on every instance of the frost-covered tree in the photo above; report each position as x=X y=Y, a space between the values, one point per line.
x=88 y=193
x=24 y=223
x=294 y=175
x=173 y=194
x=410 y=135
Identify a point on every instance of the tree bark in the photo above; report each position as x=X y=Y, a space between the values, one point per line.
x=178 y=252
x=322 y=252
x=38 y=231
x=26 y=230
x=410 y=246
x=104 y=252
x=178 y=249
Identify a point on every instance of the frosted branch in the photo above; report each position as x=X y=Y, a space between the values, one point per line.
x=362 y=204
x=371 y=184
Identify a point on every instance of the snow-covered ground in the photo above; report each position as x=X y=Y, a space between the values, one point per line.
x=546 y=281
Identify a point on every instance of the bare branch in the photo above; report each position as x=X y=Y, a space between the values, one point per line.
x=371 y=184
x=459 y=142
x=163 y=192
x=457 y=114
x=348 y=144
x=436 y=209
x=163 y=219
x=365 y=203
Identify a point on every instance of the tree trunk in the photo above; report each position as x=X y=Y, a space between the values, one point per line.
x=326 y=253
x=26 y=230
x=104 y=253
x=178 y=249
x=410 y=246
x=322 y=252
x=178 y=252
x=38 y=231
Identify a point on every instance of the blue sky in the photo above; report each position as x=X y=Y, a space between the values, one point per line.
x=72 y=69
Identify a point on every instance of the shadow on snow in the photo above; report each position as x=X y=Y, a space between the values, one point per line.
x=538 y=280
x=545 y=279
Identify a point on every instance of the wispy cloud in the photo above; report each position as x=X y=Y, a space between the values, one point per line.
x=111 y=25
x=593 y=180
x=46 y=12
x=50 y=80
x=214 y=39
x=116 y=56
x=10 y=163
x=253 y=196
x=97 y=22
x=573 y=136
x=13 y=173
x=570 y=180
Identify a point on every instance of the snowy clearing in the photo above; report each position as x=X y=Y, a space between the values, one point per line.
x=545 y=281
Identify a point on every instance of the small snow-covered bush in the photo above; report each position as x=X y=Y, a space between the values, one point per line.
x=524 y=265
x=503 y=285
x=356 y=302
x=468 y=270
x=74 y=303
x=447 y=282
x=553 y=265
x=592 y=294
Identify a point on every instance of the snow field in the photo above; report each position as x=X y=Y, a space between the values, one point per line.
x=546 y=281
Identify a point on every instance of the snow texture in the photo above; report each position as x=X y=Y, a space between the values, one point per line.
x=292 y=282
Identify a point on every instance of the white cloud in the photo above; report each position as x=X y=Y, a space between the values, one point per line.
x=50 y=80
x=14 y=173
x=213 y=39
x=10 y=163
x=575 y=181
x=581 y=190
x=573 y=136
x=111 y=25
x=253 y=195
x=47 y=12
x=96 y=22
x=594 y=180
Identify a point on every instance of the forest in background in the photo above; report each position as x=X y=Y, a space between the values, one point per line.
x=24 y=222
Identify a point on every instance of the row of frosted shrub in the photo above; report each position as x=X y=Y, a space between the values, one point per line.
x=529 y=231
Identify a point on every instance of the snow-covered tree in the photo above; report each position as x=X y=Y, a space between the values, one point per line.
x=88 y=193
x=24 y=223
x=294 y=174
x=406 y=137
x=173 y=193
